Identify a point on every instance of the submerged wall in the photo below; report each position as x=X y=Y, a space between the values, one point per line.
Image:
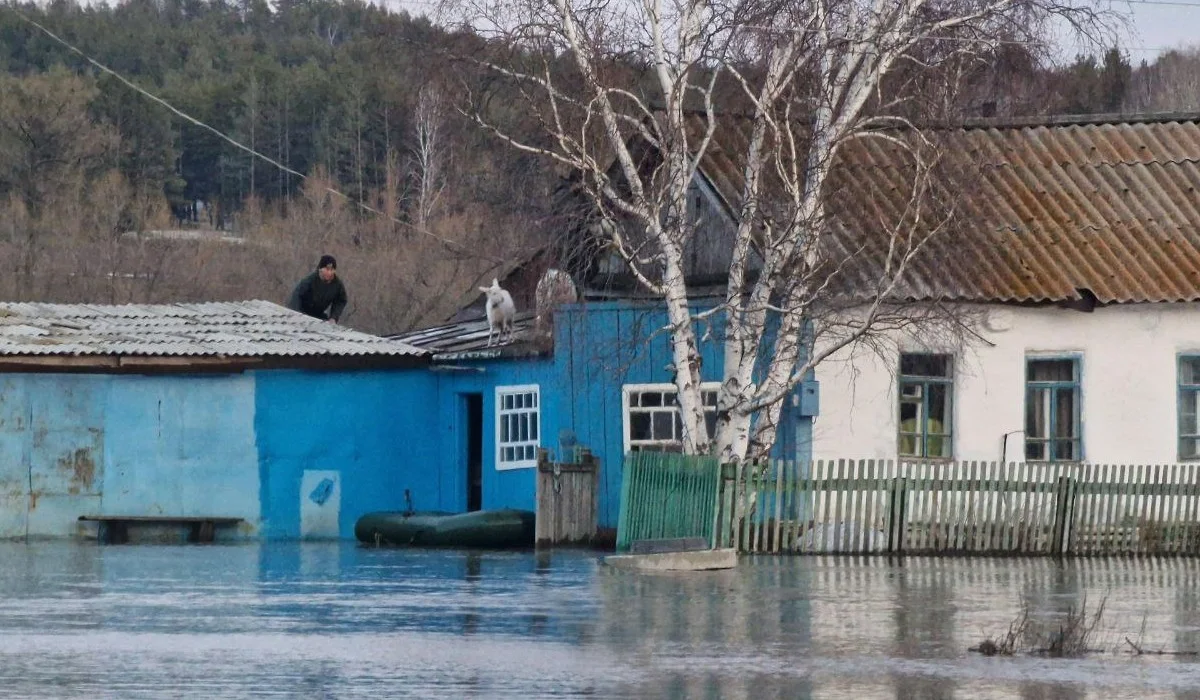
x=294 y=454
x=81 y=444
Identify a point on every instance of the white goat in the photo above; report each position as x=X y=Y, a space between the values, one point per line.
x=500 y=312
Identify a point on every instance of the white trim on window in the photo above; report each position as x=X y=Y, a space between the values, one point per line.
x=660 y=405
x=518 y=426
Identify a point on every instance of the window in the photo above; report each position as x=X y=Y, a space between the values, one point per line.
x=652 y=421
x=926 y=392
x=1052 y=410
x=1189 y=401
x=517 y=426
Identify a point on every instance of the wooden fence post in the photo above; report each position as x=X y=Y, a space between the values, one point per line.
x=897 y=515
x=1064 y=505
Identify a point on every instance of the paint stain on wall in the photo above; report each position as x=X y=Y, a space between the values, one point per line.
x=80 y=469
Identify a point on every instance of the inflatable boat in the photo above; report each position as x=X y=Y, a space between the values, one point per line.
x=484 y=529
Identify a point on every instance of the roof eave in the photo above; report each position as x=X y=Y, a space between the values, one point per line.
x=177 y=364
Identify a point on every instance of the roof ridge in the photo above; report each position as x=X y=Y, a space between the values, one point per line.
x=1107 y=118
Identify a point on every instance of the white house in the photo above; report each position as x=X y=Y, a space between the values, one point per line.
x=1079 y=248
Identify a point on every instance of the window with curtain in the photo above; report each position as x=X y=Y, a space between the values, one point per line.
x=1189 y=402
x=1052 y=410
x=926 y=393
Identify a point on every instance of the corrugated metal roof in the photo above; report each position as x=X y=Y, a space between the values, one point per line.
x=1040 y=211
x=227 y=329
x=471 y=337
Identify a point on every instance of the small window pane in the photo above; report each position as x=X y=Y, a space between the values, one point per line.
x=662 y=425
x=1037 y=410
x=710 y=398
x=504 y=432
x=1189 y=370
x=939 y=410
x=1188 y=405
x=1035 y=450
x=1189 y=448
x=920 y=365
x=508 y=402
x=639 y=426
x=1064 y=413
x=533 y=426
x=710 y=420
x=1064 y=450
x=1051 y=370
x=652 y=399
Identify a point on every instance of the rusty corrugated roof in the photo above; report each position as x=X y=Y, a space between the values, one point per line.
x=1041 y=210
x=225 y=329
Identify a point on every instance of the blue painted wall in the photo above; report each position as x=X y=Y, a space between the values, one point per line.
x=510 y=488
x=375 y=429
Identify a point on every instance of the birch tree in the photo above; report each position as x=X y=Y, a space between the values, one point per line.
x=429 y=153
x=805 y=79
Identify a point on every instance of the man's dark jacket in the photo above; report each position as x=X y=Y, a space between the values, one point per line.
x=314 y=295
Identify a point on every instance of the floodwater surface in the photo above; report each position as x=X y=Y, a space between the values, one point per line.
x=342 y=621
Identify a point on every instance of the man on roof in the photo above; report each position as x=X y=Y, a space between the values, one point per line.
x=321 y=293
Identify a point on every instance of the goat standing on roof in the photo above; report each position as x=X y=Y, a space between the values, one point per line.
x=500 y=312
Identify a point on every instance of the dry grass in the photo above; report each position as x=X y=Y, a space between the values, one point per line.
x=1072 y=635
x=92 y=245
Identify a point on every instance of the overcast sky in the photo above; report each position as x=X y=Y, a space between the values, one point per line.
x=1153 y=25
x=1156 y=27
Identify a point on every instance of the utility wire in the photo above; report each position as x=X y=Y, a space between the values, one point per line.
x=458 y=247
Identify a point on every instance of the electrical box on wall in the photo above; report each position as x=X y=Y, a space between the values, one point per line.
x=807 y=398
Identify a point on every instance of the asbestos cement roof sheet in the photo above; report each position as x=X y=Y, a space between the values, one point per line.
x=218 y=329
x=1027 y=211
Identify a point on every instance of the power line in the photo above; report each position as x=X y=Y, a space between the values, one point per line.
x=189 y=118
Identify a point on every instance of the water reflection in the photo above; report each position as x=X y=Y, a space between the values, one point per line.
x=336 y=620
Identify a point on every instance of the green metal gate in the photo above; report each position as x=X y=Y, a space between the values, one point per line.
x=666 y=495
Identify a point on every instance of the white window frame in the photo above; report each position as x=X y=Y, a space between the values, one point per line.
x=630 y=389
x=530 y=445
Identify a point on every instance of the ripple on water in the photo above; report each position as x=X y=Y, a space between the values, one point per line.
x=324 y=620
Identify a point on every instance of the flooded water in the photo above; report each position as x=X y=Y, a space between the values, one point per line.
x=340 y=621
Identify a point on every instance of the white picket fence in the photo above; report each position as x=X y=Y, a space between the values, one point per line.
x=877 y=506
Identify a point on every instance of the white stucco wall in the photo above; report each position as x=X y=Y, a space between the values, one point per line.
x=1128 y=385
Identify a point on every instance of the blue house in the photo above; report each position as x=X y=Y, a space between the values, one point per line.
x=601 y=381
x=242 y=410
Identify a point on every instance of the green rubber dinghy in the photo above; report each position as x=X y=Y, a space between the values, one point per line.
x=485 y=529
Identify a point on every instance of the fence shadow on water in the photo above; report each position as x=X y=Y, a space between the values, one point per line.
x=880 y=506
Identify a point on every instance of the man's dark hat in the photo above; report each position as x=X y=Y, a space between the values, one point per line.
x=327 y=261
